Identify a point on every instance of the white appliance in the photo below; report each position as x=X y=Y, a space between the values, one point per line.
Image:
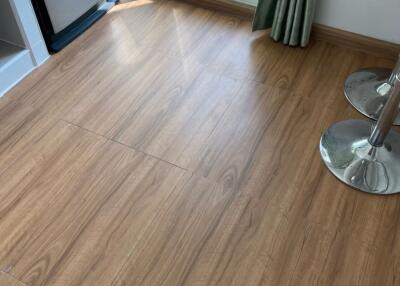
x=62 y=13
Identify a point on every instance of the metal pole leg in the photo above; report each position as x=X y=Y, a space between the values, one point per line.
x=368 y=90
x=366 y=156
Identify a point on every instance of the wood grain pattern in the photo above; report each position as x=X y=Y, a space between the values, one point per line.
x=169 y=145
x=7 y=280
x=236 y=8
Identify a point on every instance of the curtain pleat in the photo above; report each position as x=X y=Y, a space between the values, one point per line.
x=291 y=20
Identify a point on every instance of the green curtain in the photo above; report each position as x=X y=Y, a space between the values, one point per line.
x=291 y=20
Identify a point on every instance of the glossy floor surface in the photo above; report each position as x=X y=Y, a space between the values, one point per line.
x=169 y=145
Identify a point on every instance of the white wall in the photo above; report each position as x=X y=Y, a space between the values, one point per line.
x=374 y=18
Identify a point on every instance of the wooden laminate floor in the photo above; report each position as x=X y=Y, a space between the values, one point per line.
x=169 y=145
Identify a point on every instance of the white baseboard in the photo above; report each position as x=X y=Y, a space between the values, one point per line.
x=15 y=70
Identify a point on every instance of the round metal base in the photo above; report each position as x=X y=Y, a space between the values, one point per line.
x=368 y=91
x=348 y=155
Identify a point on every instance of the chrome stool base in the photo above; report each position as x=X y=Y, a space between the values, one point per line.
x=367 y=90
x=347 y=153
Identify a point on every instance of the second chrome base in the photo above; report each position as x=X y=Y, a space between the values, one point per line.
x=347 y=153
x=367 y=90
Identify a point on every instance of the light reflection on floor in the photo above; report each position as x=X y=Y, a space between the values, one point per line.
x=129 y=5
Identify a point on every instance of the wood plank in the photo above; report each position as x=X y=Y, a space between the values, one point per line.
x=225 y=6
x=150 y=72
x=8 y=280
x=21 y=127
x=167 y=251
x=62 y=87
x=180 y=114
x=88 y=240
x=255 y=57
x=27 y=188
x=70 y=187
